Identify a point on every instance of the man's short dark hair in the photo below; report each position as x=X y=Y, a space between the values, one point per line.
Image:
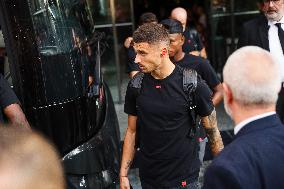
x=151 y=33
x=172 y=25
x=147 y=17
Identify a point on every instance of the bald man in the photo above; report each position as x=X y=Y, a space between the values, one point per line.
x=28 y=161
x=192 y=43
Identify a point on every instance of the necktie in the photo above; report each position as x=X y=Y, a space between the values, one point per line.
x=280 y=35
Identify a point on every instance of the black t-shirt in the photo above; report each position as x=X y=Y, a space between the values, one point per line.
x=131 y=65
x=192 y=41
x=202 y=67
x=7 y=96
x=168 y=155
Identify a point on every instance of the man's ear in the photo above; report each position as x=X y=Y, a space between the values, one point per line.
x=164 y=51
x=182 y=39
x=228 y=93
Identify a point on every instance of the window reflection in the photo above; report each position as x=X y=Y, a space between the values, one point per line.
x=55 y=23
x=64 y=34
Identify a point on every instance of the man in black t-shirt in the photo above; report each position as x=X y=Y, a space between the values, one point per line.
x=201 y=65
x=160 y=110
x=9 y=105
x=192 y=43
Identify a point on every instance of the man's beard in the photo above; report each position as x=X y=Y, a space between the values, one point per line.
x=273 y=17
x=274 y=14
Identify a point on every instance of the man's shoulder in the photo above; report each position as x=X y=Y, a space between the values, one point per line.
x=136 y=81
x=243 y=148
x=232 y=158
x=192 y=59
x=259 y=20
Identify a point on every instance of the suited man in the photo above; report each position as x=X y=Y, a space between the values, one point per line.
x=263 y=32
x=255 y=157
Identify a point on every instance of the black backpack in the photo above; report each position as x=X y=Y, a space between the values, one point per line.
x=190 y=78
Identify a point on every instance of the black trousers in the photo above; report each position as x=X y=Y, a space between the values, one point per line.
x=280 y=104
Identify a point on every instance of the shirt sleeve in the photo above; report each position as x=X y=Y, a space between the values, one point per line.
x=209 y=74
x=130 y=100
x=7 y=95
x=203 y=97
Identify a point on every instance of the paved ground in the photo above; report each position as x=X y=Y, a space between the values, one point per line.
x=224 y=123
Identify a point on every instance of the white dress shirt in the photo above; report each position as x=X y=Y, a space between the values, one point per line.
x=275 y=45
x=251 y=119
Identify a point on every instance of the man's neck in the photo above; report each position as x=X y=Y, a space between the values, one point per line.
x=179 y=56
x=246 y=113
x=164 y=71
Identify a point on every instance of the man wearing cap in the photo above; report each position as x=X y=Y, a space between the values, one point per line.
x=180 y=58
x=193 y=44
x=201 y=65
x=266 y=31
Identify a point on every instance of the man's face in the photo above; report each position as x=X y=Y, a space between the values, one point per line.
x=273 y=9
x=148 y=56
x=176 y=42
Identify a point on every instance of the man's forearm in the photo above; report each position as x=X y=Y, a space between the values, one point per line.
x=217 y=98
x=16 y=116
x=218 y=94
x=212 y=132
x=128 y=152
x=203 y=53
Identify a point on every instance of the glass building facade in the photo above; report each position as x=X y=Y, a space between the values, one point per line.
x=118 y=18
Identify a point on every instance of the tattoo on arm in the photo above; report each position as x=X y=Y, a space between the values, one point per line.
x=212 y=117
x=212 y=132
x=128 y=164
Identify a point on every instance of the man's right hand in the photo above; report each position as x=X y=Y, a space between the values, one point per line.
x=124 y=183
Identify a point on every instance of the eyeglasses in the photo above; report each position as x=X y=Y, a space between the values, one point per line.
x=273 y=1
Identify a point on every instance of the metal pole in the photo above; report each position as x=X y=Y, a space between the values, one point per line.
x=132 y=15
x=115 y=41
x=232 y=26
x=90 y=13
x=212 y=37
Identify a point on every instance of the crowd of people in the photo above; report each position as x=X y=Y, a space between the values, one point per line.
x=170 y=102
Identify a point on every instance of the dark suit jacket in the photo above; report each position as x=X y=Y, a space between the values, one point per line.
x=254 y=160
x=255 y=32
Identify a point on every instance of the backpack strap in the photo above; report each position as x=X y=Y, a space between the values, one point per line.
x=189 y=86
